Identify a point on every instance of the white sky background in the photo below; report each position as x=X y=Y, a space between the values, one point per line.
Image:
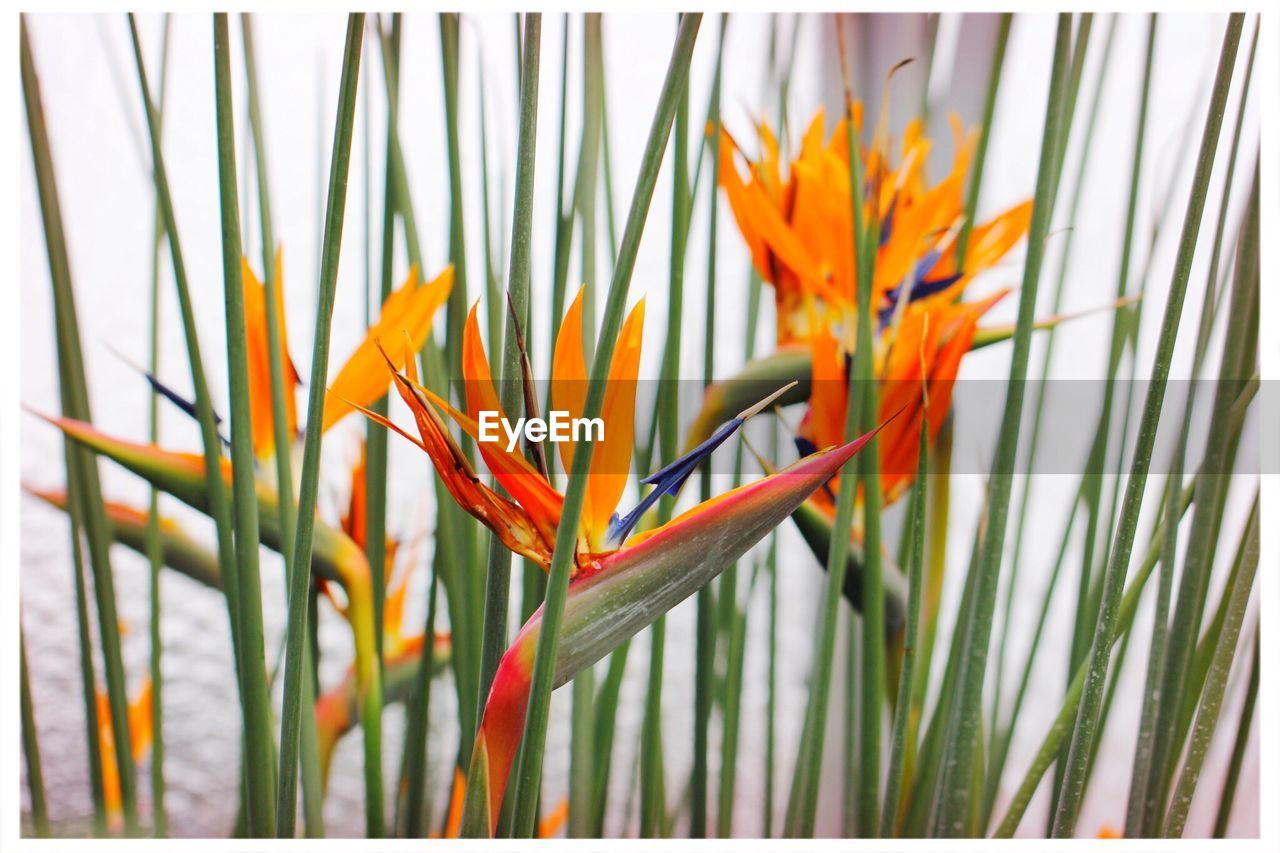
x=94 y=118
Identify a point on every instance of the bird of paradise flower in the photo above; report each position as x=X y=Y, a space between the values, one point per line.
x=621 y=580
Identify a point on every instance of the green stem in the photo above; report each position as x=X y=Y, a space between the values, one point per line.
x=1215 y=686
x=300 y=581
x=73 y=387
x=283 y=441
x=951 y=809
x=255 y=701
x=705 y=629
x=984 y=136
x=1243 y=728
x=31 y=744
x=160 y=820
x=1087 y=719
x=915 y=576
x=530 y=764
x=498 y=579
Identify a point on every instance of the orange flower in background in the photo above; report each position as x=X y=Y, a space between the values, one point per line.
x=799 y=229
x=408 y=310
x=917 y=372
x=799 y=226
x=140 y=739
x=527 y=521
x=619 y=582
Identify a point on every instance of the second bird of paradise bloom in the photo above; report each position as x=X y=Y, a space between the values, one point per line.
x=140 y=740
x=360 y=381
x=798 y=226
x=621 y=581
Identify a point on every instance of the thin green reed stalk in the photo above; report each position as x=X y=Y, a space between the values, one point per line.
x=705 y=629
x=493 y=287
x=214 y=483
x=417 y=808
x=653 y=800
x=583 y=756
x=1046 y=355
x=1141 y=792
x=498 y=578
x=452 y=525
x=602 y=729
x=1060 y=729
x=873 y=645
x=915 y=578
x=803 y=801
x=562 y=215
x=652 y=782
x=288 y=510
x=31 y=744
x=300 y=581
x=375 y=446
x=1239 y=350
x=706 y=635
x=1216 y=685
x=965 y=718
x=88 y=680
x=160 y=819
x=255 y=699
x=529 y=769
x=931 y=49
x=375 y=442
x=771 y=685
x=586 y=181
x=735 y=658
x=926 y=782
x=1002 y=737
x=1087 y=719
x=1232 y=778
x=1207 y=519
x=73 y=386
x=984 y=135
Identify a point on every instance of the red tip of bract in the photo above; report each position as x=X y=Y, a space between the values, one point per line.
x=628 y=589
x=503 y=721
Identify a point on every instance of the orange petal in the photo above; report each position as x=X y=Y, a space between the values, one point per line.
x=511 y=522
x=525 y=483
x=362 y=379
x=256 y=340
x=611 y=461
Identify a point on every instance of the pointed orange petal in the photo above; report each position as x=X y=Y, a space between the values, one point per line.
x=525 y=483
x=362 y=379
x=611 y=461
x=512 y=523
x=569 y=372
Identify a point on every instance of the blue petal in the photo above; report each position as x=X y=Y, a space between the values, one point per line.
x=668 y=480
x=181 y=402
x=921 y=288
x=886 y=227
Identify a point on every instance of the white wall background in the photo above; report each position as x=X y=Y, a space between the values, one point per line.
x=95 y=122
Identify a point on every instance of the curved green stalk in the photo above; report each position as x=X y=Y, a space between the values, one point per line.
x=951 y=810
x=1243 y=728
x=288 y=509
x=1216 y=684
x=530 y=764
x=1087 y=720
x=31 y=744
x=915 y=573
x=160 y=819
x=498 y=578
x=83 y=467
x=300 y=581
x=255 y=701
